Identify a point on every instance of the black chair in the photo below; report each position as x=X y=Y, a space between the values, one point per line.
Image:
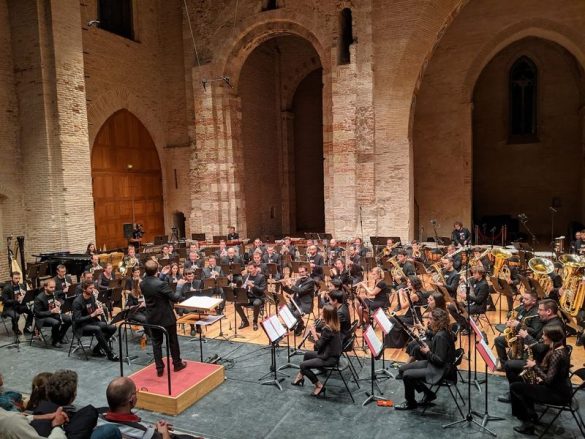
x=38 y=332
x=342 y=365
x=571 y=406
x=348 y=347
x=77 y=339
x=2 y=316
x=450 y=380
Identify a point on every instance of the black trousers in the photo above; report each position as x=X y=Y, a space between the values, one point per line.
x=523 y=397
x=157 y=342
x=311 y=361
x=501 y=348
x=413 y=377
x=256 y=303
x=513 y=369
x=462 y=321
x=14 y=313
x=58 y=326
x=102 y=333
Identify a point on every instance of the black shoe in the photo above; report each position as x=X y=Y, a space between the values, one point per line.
x=113 y=357
x=427 y=399
x=299 y=382
x=57 y=345
x=525 y=428
x=180 y=366
x=255 y=326
x=579 y=341
x=243 y=325
x=160 y=372
x=406 y=406
x=98 y=353
x=505 y=398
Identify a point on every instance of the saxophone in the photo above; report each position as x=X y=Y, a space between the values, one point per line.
x=515 y=343
x=528 y=375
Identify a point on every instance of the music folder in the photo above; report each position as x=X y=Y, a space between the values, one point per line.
x=374 y=343
x=382 y=320
x=273 y=328
x=287 y=316
x=486 y=353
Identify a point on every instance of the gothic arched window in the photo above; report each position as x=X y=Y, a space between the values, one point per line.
x=523 y=98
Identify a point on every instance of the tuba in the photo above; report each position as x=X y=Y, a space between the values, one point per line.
x=501 y=270
x=542 y=267
x=573 y=296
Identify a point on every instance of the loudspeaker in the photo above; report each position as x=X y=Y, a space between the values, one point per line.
x=128 y=229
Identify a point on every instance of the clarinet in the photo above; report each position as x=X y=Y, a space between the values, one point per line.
x=308 y=332
x=408 y=331
x=54 y=305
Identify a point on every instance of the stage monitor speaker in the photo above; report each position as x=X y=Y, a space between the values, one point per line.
x=128 y=229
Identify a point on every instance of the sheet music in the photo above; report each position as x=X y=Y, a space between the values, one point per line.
x=287 y=317
x=200 y=302
x=486 y=353
x=373 y=342
x=273 y=328
x=382 y=320
x=476 y=329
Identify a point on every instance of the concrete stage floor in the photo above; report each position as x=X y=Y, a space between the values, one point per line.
x=243 y=408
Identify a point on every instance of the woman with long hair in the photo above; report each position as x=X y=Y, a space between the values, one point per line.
x=375 y=297
x=91 y=250
x=327 y=350
x=551 y=382
x=39 y=390
x=439 y=358
x=435 y=300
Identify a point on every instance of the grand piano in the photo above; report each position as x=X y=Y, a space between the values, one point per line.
x=75 y=262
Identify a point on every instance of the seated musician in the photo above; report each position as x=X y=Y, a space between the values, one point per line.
x=434 y=300
x=288 y=249
x=452 y=253
x=460 y=236
x=327 y=350
x=272 y=257
x=340 y=276
x=551 y=384
x=390 y=249
x=336 y=298
x=355 y=268
x=373 y=298
x=86 y=276
x=135 y=302
x=165 y=253
x=47 y=311
x=302 y=294
x=232 y=234
x=171 y=274
x=451 y=277
x=438 y=362
x=575 y=245
x=257 y=246
x=410 y=298
x=106 y=276
x=316 y=262
x=416 y=254
x=194 y=261
x=359 y=247
x=13 y=299
x=62 y=282
x=214 y=271
x=407 y=266
x=526 y=313
x=255 y=285
x=333 y=251
x=130 y=260
x=221 y=252
x=482 y=261
x=232 y=259
x=94 y=265
x=90 y=250
x=134 y=279
x=190 y=287
x=478 y=298
x=86 y=316
x=257 y=259
x=547 y=313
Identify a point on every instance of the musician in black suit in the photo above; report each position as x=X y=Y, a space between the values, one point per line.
x=12 y=297
x=575 y=246
x=288 y=249
x=333 y=252
x=221 y=252
x=194 y=261
x=62 y=282
x=47 y=310
x=316 y=263
x=439 y=362
x=359 y=247
x=273 y=257
x=255 y=285
x=478 y=297
x=257 y=246
x=302 y=294
x=456 y=256
x=86 y=276
x=327 y=350
x=232 y=259
x=460 y=235
x=88 y=319
x=159 y=298
x=407 y=266
x=355 y=268
x=451 y=277
x=336 y=299
x=214 y=271
x=232 y=234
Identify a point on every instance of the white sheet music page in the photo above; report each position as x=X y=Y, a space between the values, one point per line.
x=287 y=316
x=373 y=342
x=382 y=320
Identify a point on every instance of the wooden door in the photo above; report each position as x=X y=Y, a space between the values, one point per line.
x=127 y=181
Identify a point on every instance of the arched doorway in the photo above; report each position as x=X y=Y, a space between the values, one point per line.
x=282 y=137
x=127 y=180
x=527 y=139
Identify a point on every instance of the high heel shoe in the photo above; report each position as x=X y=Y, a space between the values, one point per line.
x=317 y=393
x=299 y=382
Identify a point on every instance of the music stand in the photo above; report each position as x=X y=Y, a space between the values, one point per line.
x=386 y=325
x=291 y=323
x=376 y=348
x=275 y=332
x=207 y=321
x=238 y=296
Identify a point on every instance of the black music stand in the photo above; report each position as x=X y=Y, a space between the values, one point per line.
x=238 y=296
x=376 y=347
x=204 y=322
x=275 y=332
x=291 y=322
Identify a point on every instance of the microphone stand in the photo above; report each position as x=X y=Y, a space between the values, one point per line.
x=532 y=235
x=469 y=419
x=552 y=229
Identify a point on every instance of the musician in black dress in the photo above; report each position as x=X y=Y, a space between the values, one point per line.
x=434 y=300
x=135 y=300
x=479 y=292
x=440 y=355
x=553 y=385
x=255 y=285
x=302 y=294
x=337 y=300
x=354 y=266
x=460 y=235
x=327 y=350
x=359 y=247
x=13 y=299
x=373 y=298
x=410 y=298
x=88 y=319
x=47 y=311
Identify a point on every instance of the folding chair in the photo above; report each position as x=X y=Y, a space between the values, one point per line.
x=342 y=364
x=76 y=338
x=450 y=380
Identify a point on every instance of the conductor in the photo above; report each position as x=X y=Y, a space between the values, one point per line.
x=159 y=298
